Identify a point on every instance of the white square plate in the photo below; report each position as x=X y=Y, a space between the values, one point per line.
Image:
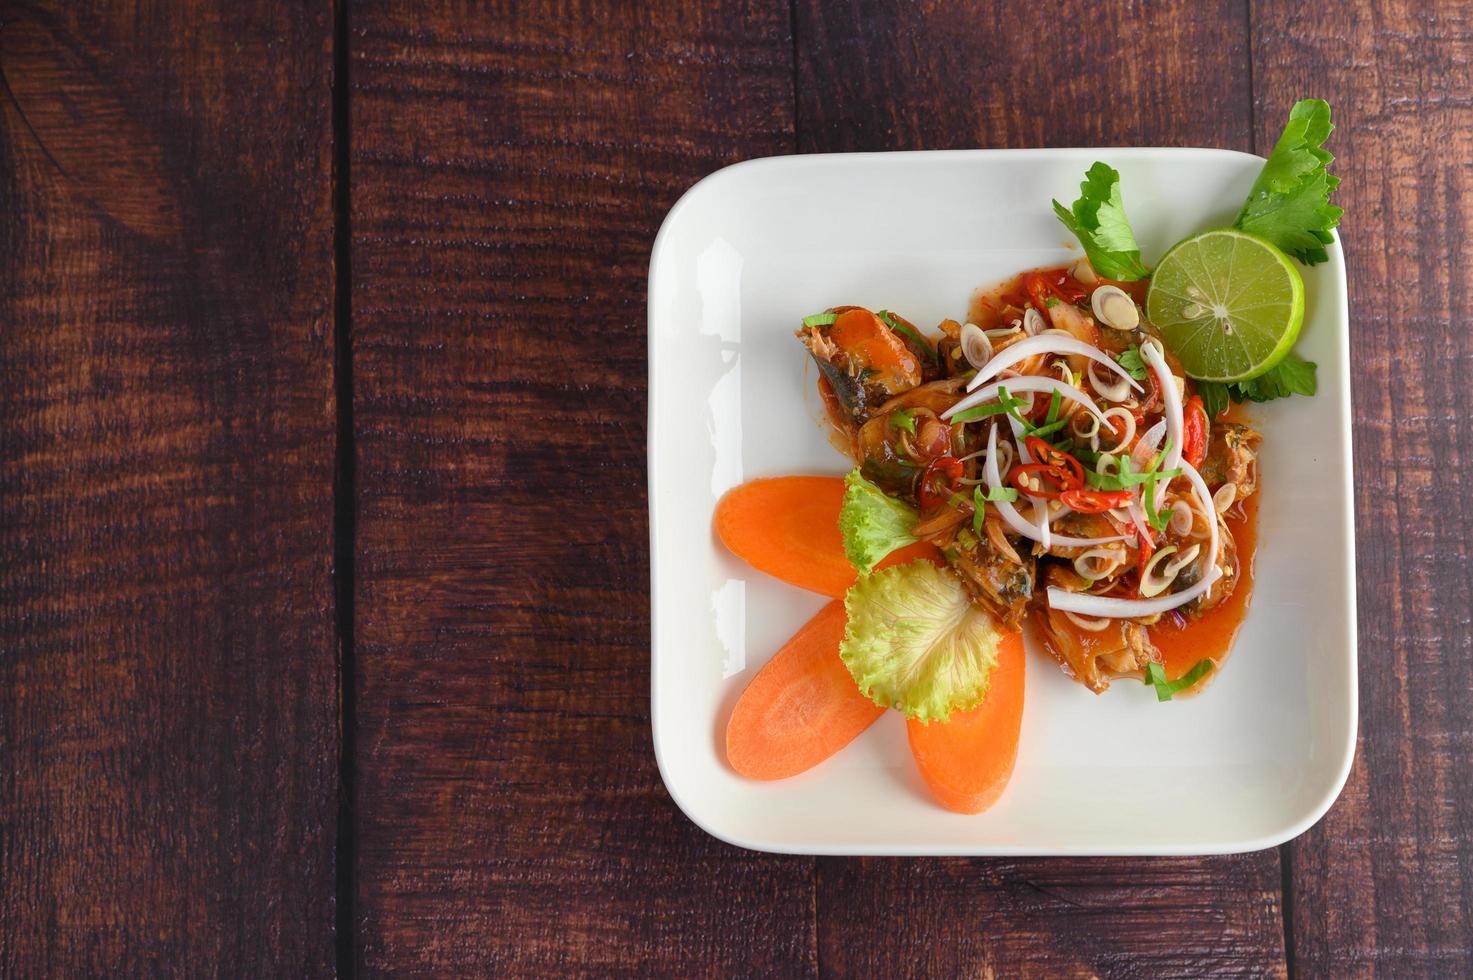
x=1252 y=762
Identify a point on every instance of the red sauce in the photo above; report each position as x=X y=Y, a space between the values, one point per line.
x=1182 y=645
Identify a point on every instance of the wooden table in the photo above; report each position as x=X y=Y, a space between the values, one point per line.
x=323 y=572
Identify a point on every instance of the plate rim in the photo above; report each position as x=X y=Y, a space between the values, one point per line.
x=1350 y=738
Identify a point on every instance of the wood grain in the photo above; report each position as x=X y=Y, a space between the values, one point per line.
x=510 y=170
x=1384 y=885
x=167 y=689
x=947 y=74
x=942 y=75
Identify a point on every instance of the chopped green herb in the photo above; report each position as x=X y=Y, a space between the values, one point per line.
x=1130 y=360
x=820 y=319
x=1054 y=402
x=1165 y=689
x=904 y=419
x=1005 y=404
x=1126 y=476
x=1051 y=302
x=981 y=498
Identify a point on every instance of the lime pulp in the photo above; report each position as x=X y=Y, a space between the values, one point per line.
x=1229 y=304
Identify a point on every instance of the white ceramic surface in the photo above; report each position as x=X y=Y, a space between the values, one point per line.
x=1252 y=762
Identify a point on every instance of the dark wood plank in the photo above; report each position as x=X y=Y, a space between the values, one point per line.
x=1384 y=885
x=942 y=75
x=510 y=169
x=168 y=707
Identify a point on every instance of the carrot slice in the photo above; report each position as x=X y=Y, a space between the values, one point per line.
x=802 y=707
x=788 y=527
x=968 y=759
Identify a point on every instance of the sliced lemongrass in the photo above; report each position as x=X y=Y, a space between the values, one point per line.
x=1183 y=520
x=1127 y=425
x=1092 y=625
x=1114 y=308
x=1033 y=323
x=1152 y=584
x=1095 y=563
x=1117 y=608
x=976 y=347
x=1026 y=385
x=1225 y=497
x=1182 y=560
x=1086 y=431
x=1045 y=343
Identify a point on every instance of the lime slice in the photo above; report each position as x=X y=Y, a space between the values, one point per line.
x=1229 y=304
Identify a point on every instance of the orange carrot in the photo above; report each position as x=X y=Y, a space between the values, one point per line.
x=801 y=708
x=788 y=527
x=968 y=759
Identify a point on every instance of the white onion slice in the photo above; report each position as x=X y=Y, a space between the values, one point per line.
x=1015 y=520
x=1046 y=343
x=1110 y=607
x=1146 y=448
x=1024 y=385
x=1021 y=441
x=1151 y=353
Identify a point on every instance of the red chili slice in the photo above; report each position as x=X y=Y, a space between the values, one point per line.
x=1148 y=548
x=1062 y=479
x=939 y=480
x=1045 y=453
x=1194 y=434
x=1094 y=501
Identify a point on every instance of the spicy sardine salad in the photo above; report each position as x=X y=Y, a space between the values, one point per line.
x=1072 y=454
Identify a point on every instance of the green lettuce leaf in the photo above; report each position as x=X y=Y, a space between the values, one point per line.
x=1098 y=221
x=916 y=643
x=1290 y=202
x=873 y=522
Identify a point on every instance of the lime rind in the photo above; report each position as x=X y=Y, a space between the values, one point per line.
x=1249 y=299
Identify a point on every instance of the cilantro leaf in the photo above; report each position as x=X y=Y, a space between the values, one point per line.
x=1214 y=397
x=1290 y=202
x=1098 y=221
x=1165 y=689
x=1291 y=376
x=1130 y=360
